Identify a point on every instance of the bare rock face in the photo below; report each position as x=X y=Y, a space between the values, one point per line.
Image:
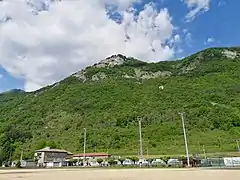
x=151 y=75
x=80 y=75
x=140 y=74
x=230 y=54
x=99 y=76
x=190 y=67
x=110 y=62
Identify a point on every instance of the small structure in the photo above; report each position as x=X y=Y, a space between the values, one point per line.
x=28 y=163
x=91 y=156
x=48 y=157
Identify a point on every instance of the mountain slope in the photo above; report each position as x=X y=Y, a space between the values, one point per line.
x=107 y=98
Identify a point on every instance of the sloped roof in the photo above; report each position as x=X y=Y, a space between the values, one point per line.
x=48 y=149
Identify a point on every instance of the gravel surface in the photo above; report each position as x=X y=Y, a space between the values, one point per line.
x=120 y=174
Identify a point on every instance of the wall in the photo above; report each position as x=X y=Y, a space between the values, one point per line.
x=40 y=157
x=28 y=164
x=54 y=157
x=48 y=158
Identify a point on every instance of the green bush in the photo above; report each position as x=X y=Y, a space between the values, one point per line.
x=18 y=164
x=112 y=162
x=100 y=161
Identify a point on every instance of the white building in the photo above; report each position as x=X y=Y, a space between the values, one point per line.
x=48 y=157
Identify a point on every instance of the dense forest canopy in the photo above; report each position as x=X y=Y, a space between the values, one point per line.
x=107 y=100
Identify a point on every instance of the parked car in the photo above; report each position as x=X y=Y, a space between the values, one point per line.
x=105 y=163
x=158 y=162
x=128 y=162
x=174 y=163
x=94 y=164
x=143 y=162
x=117 y=162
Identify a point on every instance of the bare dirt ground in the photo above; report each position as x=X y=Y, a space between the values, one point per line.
x=120 y=174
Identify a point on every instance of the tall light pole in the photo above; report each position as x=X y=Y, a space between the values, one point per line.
x=185 y=138
x=140 y=138
x=238 y=146
x=21 y=157
x=204 y=152
x=84 y=146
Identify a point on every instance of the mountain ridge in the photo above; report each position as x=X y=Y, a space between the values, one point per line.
x=229 y=52
x=205 y=85
x=169 y=65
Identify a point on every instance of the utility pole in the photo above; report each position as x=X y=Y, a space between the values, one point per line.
x=219 y=142
x=199 y=146
x=84 y=146
x=204 y=152
x=21 y=157
x=238 y=146
x=140 y=138
x=147 y=148
x=185 y=138
x=147 y=151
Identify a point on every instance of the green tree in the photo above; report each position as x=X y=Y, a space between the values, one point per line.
x=41 y=144
x=134 y=159
x=112 y=162
x=204 y=85
x=73 y=162
x=18 y=164
x=150 y=160
x=100 y=161
x=121 y=160
x=52 y=144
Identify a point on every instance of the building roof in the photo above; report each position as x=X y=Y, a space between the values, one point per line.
x=48 y=149
x=91 y=155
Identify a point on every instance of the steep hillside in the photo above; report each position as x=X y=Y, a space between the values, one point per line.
x=107 y=98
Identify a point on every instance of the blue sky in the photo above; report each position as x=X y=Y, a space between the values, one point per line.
x=216 y=25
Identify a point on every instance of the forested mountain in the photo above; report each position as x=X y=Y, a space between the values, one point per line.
x=107 y=98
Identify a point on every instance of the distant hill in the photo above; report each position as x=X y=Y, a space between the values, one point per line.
x=107 y=98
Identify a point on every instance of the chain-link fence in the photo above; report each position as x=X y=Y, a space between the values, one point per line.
x=226 y=162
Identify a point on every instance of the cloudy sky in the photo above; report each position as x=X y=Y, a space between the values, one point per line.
x=43 y=41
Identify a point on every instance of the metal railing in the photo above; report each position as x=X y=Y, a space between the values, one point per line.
x=222 y=162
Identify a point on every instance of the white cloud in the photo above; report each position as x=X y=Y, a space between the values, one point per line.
x=209 y=40
x=222 y=3
x=175 y=39
x=196 y=7
x=1 y=76
x=185 y=31
x=188 y=37
x=47 y=47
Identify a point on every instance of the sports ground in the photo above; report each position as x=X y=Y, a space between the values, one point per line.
x=120 y=174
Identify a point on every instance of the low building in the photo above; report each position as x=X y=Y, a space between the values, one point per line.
x=48 y=157
x=91 y=156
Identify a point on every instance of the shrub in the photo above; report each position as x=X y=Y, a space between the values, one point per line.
x=18 y=164
x=100 y=161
